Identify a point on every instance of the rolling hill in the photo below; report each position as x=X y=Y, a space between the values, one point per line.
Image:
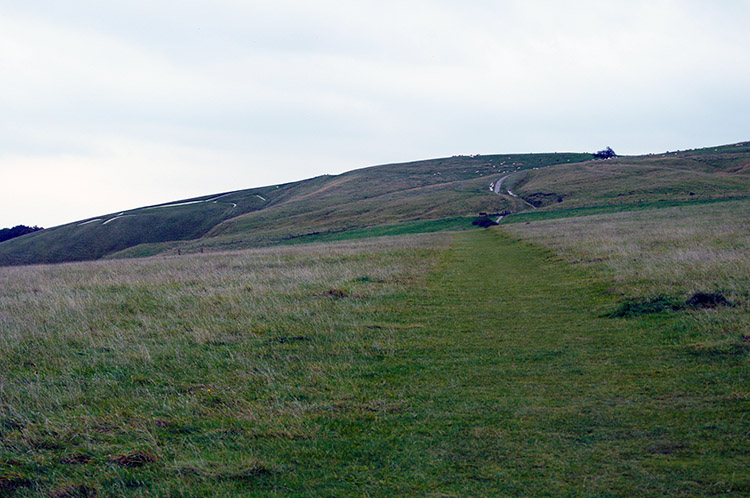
x=419 y=196
x=423 y=190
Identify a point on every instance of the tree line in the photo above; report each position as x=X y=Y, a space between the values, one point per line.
x=16 y=231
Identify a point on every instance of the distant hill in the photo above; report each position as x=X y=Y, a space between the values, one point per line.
x=428 y=195
x=635 y=182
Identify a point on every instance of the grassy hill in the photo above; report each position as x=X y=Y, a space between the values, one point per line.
x=421 y=196
x=423 y=190
x=712 y=173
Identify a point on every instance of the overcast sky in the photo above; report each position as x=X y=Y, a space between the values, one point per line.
x=108 y=105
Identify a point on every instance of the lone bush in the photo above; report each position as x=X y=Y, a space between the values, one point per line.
x=484 y=222
x=605 y=154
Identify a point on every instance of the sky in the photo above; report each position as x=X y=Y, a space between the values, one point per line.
x=108 y=105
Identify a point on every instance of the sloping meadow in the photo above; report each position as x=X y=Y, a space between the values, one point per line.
x=132 y=374
x=690 y=260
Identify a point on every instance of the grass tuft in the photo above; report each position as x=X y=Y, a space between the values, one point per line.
x=133 y=459
x=247 y=470
x=707 y=300
x=10 y=481
x=77 y=459
x=336 y=293
x=645 y=306
x=74 y=491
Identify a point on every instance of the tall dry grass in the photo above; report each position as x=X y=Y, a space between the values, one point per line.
x=88 y=336
x=679 y=250
x=670 y=253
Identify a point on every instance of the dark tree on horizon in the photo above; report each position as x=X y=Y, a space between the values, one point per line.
x=605 y=154
x=17 y=231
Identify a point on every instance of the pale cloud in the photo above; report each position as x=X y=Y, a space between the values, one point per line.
x=155 y=101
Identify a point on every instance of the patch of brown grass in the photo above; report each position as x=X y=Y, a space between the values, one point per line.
x=136 y=458
x=74 y=491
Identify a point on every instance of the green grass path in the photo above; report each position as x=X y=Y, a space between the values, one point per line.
x=512 y=383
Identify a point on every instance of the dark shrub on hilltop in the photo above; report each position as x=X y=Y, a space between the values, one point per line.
x=16 y=231
x=605 y=154
x=484 y=222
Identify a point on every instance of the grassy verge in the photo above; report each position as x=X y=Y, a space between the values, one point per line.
x=391 y=367
x=675 y=251
x=228 y=244
x=408 y=228
x=608 y=208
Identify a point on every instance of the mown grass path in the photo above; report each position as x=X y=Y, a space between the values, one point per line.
x=511 y=382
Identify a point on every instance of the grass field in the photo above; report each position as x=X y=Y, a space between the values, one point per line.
x=448 y=364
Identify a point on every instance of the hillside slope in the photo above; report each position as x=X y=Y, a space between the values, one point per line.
x=409 y=197
x=712 y=173
x=430 y=189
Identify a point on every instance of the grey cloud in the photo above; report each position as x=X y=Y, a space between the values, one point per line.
x=235 y=94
